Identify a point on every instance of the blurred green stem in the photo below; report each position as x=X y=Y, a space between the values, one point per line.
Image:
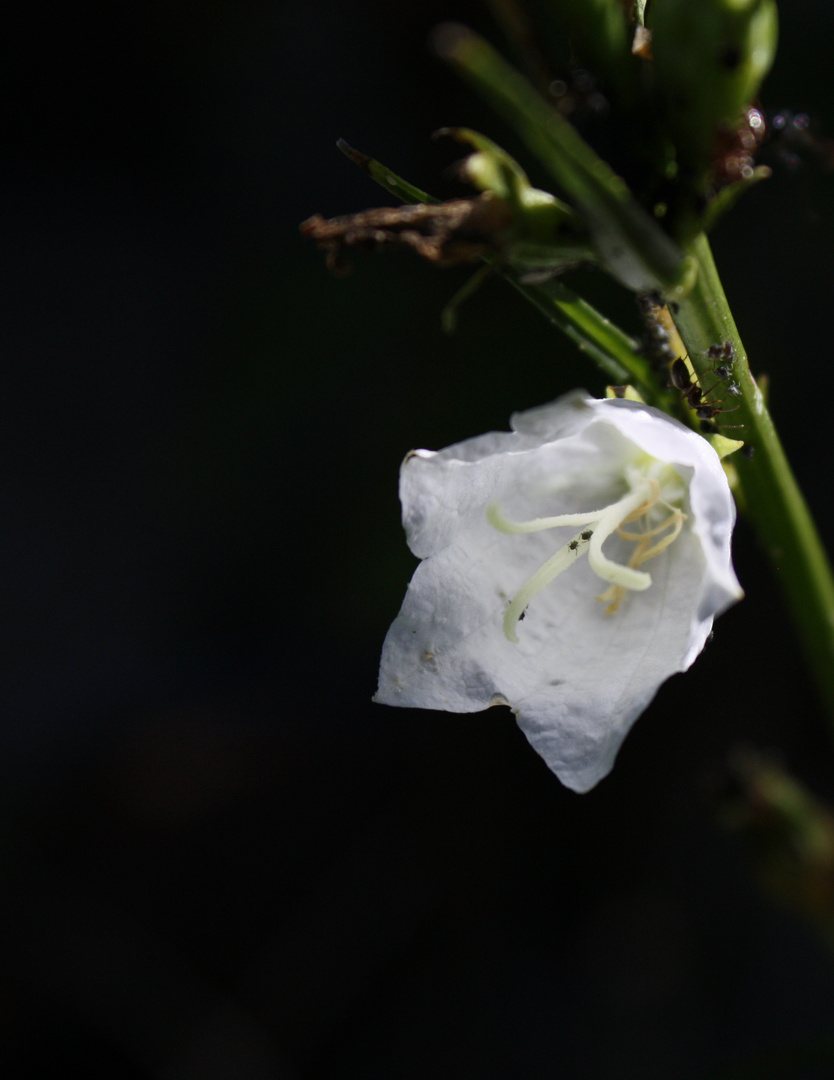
x=769 y=493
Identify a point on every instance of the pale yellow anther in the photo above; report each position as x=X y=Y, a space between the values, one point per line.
x=643 y=552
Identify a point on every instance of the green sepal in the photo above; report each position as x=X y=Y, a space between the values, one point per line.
x=627 y=393
x=545 y=234
x=492 y=169
x=724 y=446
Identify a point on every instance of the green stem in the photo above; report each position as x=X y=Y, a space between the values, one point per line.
x=770 y=495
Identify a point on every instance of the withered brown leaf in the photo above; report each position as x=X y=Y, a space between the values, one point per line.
x=458 y=231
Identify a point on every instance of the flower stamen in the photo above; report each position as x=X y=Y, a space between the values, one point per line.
x=638 y=501
x=643 y=552
x=637 y=505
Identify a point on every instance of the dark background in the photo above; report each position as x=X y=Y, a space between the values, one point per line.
x=220 y=860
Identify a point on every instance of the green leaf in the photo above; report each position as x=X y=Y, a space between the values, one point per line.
x=393 y=184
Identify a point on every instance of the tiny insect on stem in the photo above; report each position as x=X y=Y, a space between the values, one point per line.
x=694 y=395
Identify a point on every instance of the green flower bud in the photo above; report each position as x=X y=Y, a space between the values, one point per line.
x=545 y=233
x=710 y=57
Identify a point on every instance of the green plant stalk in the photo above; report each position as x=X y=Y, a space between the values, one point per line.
x=770 y=496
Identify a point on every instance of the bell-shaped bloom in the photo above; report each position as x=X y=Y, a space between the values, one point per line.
x=569 y=567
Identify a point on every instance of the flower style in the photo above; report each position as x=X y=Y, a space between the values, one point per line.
x=522 y=534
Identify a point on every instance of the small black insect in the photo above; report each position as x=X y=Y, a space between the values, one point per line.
x=680 y=379
x=648 y=301
x=722 y=352
x=587 y=534
x=724 y=357
x=705 y=411
x=693 y=395
x=654 y=342
x=573 y=545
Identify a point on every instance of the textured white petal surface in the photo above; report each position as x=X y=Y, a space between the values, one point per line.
x=577 y=678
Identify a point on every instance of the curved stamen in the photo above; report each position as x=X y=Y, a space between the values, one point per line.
x=675 y=521
x=644 y=495
x=613 y=596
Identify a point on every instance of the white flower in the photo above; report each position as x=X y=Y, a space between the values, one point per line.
x=521 y=535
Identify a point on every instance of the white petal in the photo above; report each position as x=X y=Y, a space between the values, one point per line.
x=578 y=678
x=713 y=510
